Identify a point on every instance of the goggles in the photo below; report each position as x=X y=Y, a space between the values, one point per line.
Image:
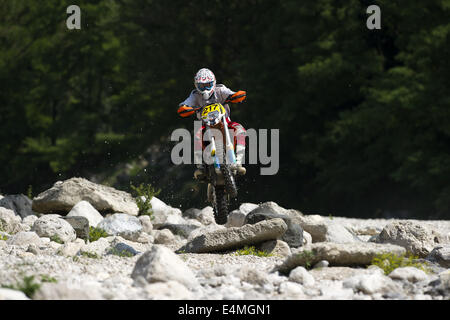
x=205 y=86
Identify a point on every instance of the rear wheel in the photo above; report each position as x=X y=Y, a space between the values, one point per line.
x=220 y=205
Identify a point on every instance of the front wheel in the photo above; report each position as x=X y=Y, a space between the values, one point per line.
x=230 y=182
x=221 y=205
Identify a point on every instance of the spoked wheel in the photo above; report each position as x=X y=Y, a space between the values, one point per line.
x=220 y=205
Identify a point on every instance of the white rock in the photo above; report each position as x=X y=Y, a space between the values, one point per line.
x=160 y=264
x=10 y=294
x=247 y=207
x=372 y=283
x=409 y=274
x=62 y=291
x=163 y=213
x=70 y=249
x=146 y=223
x=121 y=224
x=9 y=221
x=302 y=276
x=292 y=290
x=30 y=220
x=307 y=239
x=52 y=226
x=97 y=248
x=63 y=195
x=170 y=290
x=414 y=237
x=164 y=236
x=235 y=219
x=85 y=209
x=24 y=238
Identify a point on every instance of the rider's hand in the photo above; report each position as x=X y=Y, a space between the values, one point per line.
x=185 y=111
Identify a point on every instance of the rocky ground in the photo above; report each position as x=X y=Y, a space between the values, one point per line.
x=44 y=252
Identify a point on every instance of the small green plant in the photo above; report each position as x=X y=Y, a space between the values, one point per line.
x=27 y=286
x=308 y=257
x=30 y=191
x=252 y=251
x=96 y=233
x=56 y=239
x=3 y=237
x=90 y=255
x=144 y=193
x=389 y=261
x=47 y=278
x=121 y=253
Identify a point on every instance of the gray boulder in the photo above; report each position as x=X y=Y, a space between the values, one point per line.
x=55 y=228
x=121 y=224
x=414 y=237
x=19 y=203
x=231 y=238
x=269 y=210
x=86 y=210
x=80 y=225
x=183 y=230
x=276 y=247
x=160 y=264
x=338 y=254
x=440 y=255
x=64 y=195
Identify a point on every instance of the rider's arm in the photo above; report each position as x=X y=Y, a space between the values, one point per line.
x=185 y=108
x=229 y=96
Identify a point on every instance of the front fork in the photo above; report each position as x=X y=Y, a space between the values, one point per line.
x=229 y=149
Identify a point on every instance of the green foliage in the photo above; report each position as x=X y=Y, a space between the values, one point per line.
x=3 y=237
x=56 y=239
x=96 y=233
x=121 y=253
x=91 y=255
x=388 y=262
x=47 y=278
x=308 y=257
x=144 y=193
x=252 y=251
x=27 y=286
x=30 y=192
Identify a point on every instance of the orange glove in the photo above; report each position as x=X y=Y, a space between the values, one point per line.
x=237 y=97
x=185 y=111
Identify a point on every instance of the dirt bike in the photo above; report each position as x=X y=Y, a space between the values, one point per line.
x=220 y=173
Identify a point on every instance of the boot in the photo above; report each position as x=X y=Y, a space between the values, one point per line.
x=199 y=173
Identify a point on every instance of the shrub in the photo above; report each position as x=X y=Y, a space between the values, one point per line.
x=252 y=251
x=120 y=253
x=308 y=257
x=96 y=233
x=90 y=255
x=56 y=239
x=147 y=192
x=388 y=262
x=27 y=286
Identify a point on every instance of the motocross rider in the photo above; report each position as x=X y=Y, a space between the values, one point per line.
x=205 y=93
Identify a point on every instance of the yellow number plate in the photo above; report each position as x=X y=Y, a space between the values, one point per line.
x=211 y=108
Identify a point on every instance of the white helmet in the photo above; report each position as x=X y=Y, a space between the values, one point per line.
x=205 y=82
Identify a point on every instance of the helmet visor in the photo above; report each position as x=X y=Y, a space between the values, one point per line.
x=205 y=86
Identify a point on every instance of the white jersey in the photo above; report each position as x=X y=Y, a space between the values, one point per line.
x=195 y=99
